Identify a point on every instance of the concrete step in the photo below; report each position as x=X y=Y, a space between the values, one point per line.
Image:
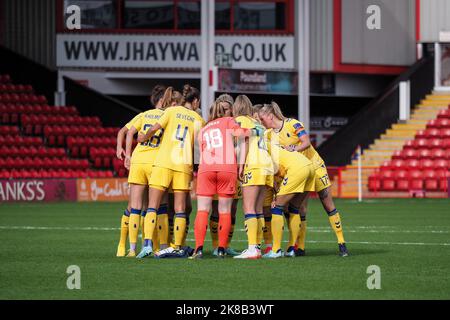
x=390 y=142
x=407 y=126
x=433 y=104
x=437 y=97
x=422 y=122
x=401 y=133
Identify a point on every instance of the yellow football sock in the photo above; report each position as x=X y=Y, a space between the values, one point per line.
x=294 y=227
x=133 y=227
x=293 y=224
x=141 y=223
x=163 y=228
x=179 y=228
x=213 y=230
x=268 y=230
x=155 y=239
x=124 y=228
x=260 y=219
x=186 y=231
x=302 y=234
x=336 y=225
x=170 y=237
x=277 y=228
x=251 y=226
x=150 y=224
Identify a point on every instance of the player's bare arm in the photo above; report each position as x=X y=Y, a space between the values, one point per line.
x=128 y=146
x=303 y=144
x=151 y=131
x=120 y=152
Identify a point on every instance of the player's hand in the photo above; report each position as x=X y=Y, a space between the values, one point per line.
x=120 y=152
x=127 y=162
x=291 y=148
x=241 y=173
x=140 y=138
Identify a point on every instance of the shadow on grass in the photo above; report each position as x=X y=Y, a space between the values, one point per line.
x=334 y=252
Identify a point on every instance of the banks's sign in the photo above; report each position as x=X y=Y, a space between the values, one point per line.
x=166 y=51
x=38 y=190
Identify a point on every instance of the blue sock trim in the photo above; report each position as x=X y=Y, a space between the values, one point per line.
x=250 y=216
x=302 y=218
x=135 y=211
x=293 y=209
x=332 y=213
x=162 y=209
x=259 y=215
x=180 y=215
x=143 y=213
x=126 y=213
x=277 y=210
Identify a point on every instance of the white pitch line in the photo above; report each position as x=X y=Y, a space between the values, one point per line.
x=310 y=229
x=58 y=228
x=360 y=242
x=234 y=240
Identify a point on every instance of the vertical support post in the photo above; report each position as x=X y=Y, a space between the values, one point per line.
x=437 y=65
x=60 y=94
x=204 y=58
x=207 y=55
x=405 y=100
x=302 y=47
x=211 y=54
x=359 y=174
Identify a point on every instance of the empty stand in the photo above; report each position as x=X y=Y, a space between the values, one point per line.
x=42 y=141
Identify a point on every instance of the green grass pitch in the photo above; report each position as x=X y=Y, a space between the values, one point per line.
x=408 y=239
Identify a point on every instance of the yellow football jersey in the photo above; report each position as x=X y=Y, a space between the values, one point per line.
x=181 y=126
x=284 y=160
x=129 y=124
x=290 y=134
x=145 y=152
x=258 y=156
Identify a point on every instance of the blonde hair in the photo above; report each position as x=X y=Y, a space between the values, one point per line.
x=242 y=106
x=272 y=108
x=216 y=111
x=225 y=98
x=166 y=100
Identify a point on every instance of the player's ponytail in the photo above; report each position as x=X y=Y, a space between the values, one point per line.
x=216 y=111
x=272 y=108
x=157 y=94
x=242 y=106
x=167 y=98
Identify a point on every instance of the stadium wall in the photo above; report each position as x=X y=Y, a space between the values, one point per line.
x=321 y=35
x=434 y=17
x=26 y=71
x=28 y=28
x=92 y=103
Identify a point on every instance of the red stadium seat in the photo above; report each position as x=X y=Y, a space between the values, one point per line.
x=444 y=114
x=410 y=154
x=441 y=164
x=427 y=164
x=412 y=164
